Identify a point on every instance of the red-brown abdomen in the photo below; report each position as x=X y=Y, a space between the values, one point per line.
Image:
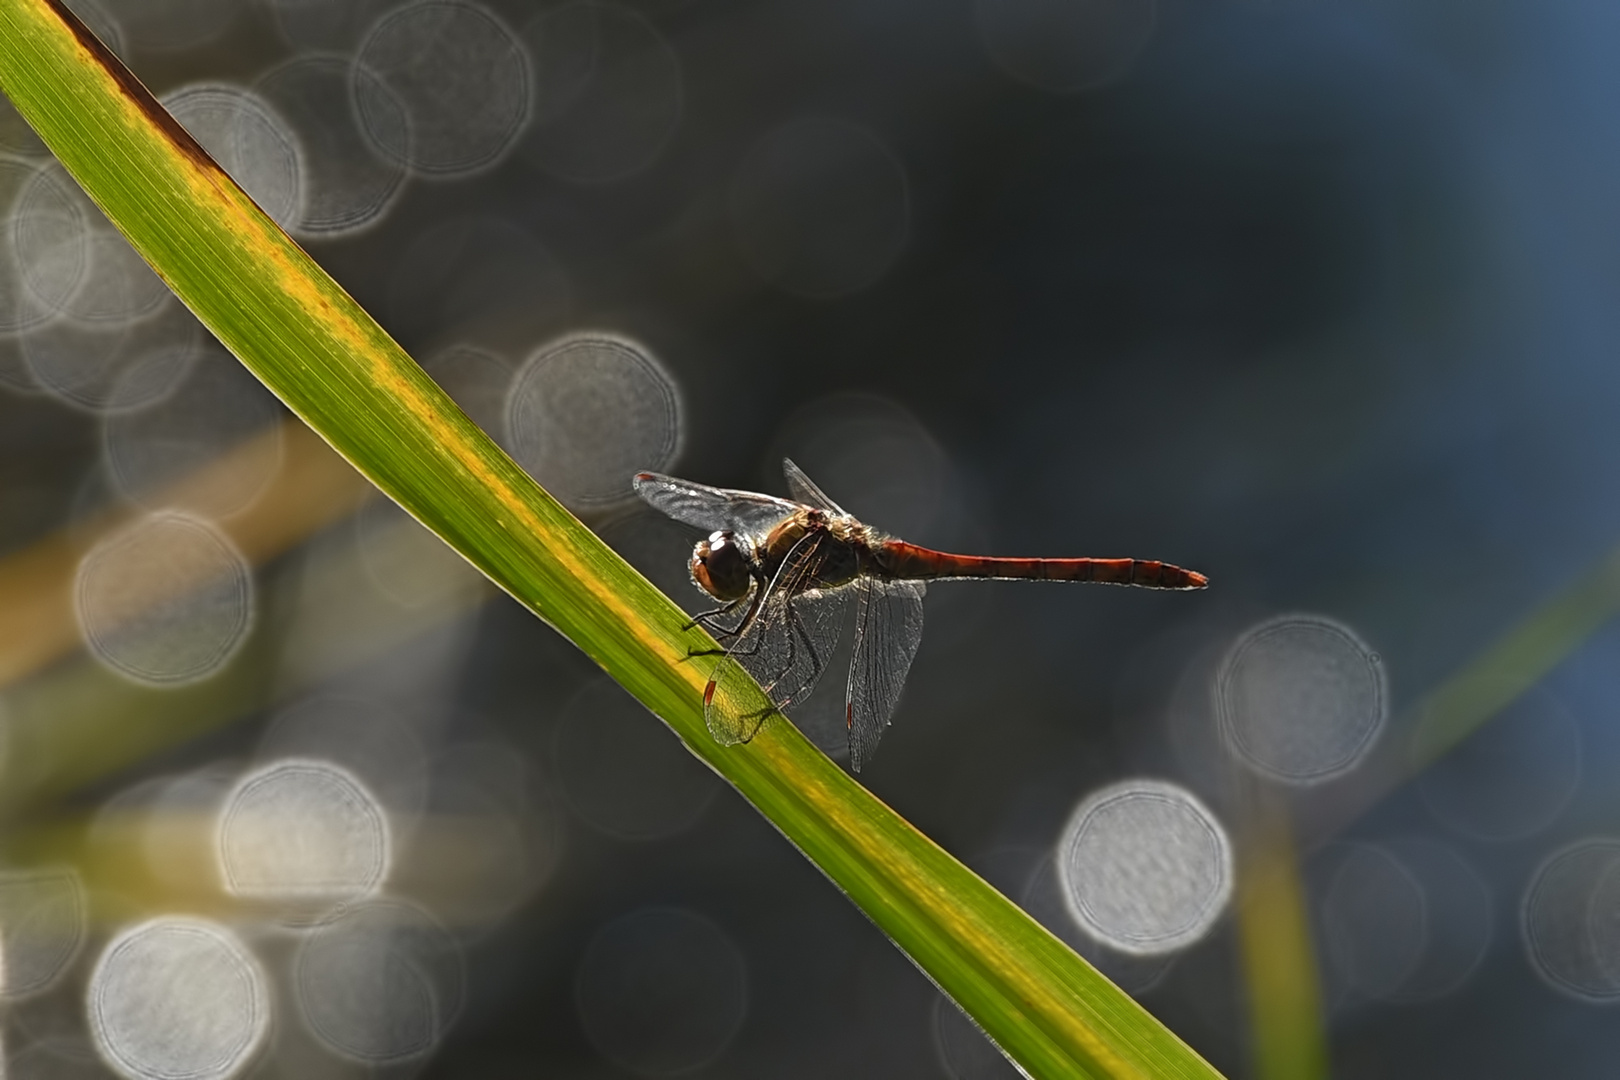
x=898 y=559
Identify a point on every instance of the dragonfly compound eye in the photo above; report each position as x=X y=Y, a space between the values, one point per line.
x=720 y=568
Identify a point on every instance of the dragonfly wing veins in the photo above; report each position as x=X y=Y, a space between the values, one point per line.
x=712 y=509
x=888 y=629
x=807 y=490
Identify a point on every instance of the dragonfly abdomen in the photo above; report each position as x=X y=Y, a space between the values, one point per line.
x=898 y=559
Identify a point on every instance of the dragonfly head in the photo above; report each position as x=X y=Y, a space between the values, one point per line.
x=721 y=567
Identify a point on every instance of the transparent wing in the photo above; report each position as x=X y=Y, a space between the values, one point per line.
x=784 y=648
x=888 y=629
x=805 y=489
x=710 y=508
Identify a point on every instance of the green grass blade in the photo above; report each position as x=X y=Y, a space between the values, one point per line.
x=266 y=300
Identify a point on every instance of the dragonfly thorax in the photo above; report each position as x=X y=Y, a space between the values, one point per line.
x=839 y=544
x=721 y=567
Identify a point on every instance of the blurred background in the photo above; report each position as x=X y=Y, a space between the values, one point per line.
x=1314 y=297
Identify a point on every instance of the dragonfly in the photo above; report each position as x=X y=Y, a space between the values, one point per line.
x=784 y=573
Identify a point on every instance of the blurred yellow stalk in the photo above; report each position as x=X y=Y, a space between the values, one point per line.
x=1289 y=1038
x=312 y=488
x=136 y=864
x=79 y=721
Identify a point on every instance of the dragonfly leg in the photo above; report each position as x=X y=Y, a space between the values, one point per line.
x=705 y=620
x=709 y=620
x=736 y=631
x=759 y=719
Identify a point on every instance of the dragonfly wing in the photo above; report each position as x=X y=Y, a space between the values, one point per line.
x=710 y=508
x=806 y=490
x=888 y=629
x=784 y=649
